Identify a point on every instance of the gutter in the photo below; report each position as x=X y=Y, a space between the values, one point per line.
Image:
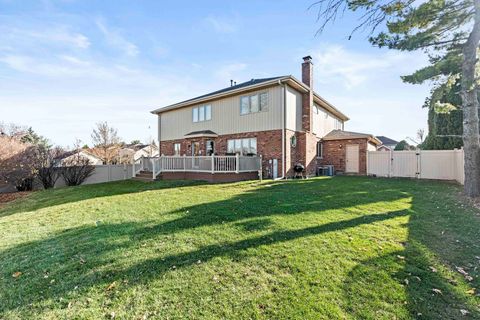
x=284 y=96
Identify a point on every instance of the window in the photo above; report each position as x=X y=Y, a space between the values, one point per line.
x=338 y=124
x=177 y=149
x=244 y=147
x=210 y=147
x=254 y=103
x=320 y=149
x=203 y=113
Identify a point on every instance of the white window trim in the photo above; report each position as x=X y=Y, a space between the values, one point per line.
x=260 y=109
x=204 y=108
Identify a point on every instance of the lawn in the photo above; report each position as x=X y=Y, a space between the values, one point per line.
x=323 y=248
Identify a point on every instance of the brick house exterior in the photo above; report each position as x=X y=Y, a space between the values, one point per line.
x=284 y=116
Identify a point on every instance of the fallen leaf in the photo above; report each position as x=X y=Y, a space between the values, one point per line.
x=112 y=285
x=464 y=312
x=16 y=274
x=437 y=291
x=433 y=269
x=401 y=257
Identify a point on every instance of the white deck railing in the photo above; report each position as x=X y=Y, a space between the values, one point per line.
x=211 y=164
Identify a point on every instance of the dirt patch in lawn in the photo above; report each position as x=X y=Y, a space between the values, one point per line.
x=7 y=197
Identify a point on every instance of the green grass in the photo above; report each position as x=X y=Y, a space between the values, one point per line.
x=347 y=247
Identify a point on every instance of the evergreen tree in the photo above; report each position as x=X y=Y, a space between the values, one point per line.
x=449 y=31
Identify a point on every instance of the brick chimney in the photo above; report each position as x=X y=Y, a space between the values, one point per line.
x=307 y=104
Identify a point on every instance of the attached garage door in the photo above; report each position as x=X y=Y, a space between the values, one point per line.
x=352 y=158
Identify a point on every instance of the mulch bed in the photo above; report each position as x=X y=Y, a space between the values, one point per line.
x=7 y=197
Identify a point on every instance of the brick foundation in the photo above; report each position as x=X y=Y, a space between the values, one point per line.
x=334 y=153
x=212 y=178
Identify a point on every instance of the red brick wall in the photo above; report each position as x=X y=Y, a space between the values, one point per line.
x=269 y=145
x=334 y=152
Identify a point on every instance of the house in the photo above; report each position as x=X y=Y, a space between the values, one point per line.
x=71 y=158
x=387 y=144
x=133 y=152
x=280 y=118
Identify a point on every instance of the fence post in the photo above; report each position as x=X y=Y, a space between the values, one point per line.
x=390 y=164
x=237 y=163
x=153 y=168
x=213 y=163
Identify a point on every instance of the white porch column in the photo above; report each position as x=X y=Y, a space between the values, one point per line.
x=213 y=164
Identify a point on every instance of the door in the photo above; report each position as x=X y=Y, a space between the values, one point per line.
x=275 y=169
x=195 y=154
x=352 y=158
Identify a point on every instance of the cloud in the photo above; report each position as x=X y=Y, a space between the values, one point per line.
x=230 y=71
x=48 y=36
x=222 y=24
x=353 y=69
x=115 y=39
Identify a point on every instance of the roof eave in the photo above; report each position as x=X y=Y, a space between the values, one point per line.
x=219 y=95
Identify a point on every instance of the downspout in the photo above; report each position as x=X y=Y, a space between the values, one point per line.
x=283 y=127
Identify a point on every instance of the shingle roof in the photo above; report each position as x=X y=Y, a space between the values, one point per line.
x=202 y=132
x=387 y=141
x=238 y=86
x=343 y=135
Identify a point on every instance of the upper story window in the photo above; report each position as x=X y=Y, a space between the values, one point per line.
x=338 y=124
x=254 y=103
x=202 y=113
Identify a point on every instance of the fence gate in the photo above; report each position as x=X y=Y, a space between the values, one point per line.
x=422 y=164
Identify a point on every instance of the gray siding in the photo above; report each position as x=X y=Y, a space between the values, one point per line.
x=226 y=118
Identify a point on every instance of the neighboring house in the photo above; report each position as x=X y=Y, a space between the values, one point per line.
x=133 y=152
x=387 y=144
x=71 y=157
x=280 y=118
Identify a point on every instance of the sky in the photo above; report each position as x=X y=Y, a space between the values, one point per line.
x=67 y=65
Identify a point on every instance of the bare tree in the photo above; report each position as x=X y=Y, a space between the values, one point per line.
x=106 y=142
x=76 y=169
x=48 y=170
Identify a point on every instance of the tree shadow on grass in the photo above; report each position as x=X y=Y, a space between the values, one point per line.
x=440 y=239
x=85 y=258
x=88 y=257
x=53 y=197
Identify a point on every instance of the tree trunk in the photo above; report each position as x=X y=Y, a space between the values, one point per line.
x=471 y=134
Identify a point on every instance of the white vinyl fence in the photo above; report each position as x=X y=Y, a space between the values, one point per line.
x=421 y=164
x=105 y=173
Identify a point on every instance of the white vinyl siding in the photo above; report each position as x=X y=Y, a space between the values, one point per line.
x=324 y=122
x=225 y=117
x=293 y=109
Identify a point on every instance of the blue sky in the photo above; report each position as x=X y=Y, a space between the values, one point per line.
x=65 y=65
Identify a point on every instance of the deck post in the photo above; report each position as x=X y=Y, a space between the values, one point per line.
x=213 y=163
x=260 y=170
x=133 y=169
x=237 y=163
x=184 y=162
